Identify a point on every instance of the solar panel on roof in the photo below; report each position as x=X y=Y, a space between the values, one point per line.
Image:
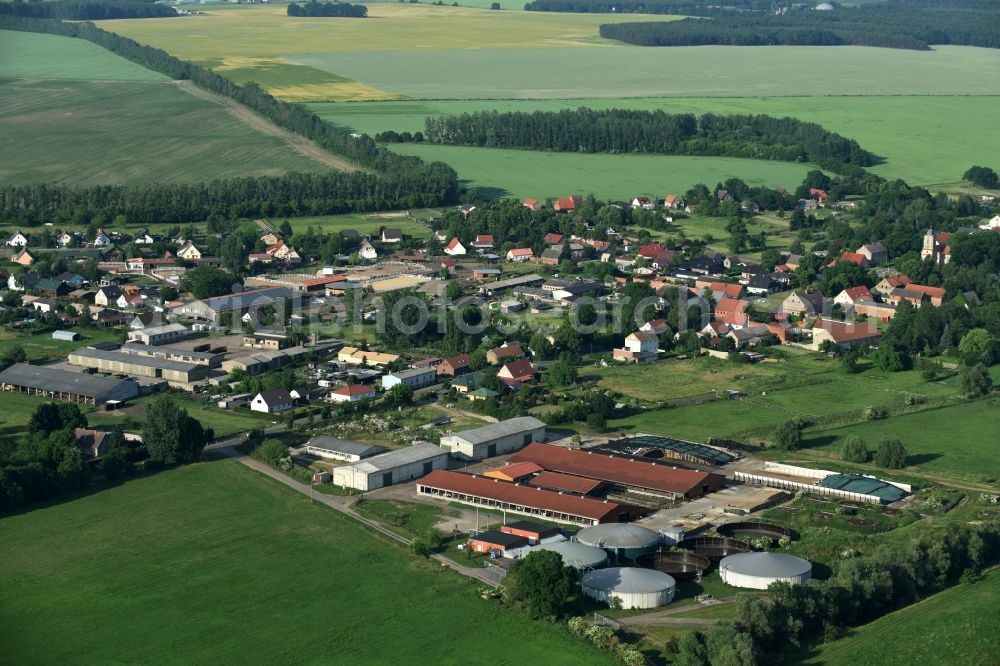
x=703 y=453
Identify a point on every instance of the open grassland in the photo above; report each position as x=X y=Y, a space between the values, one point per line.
x=41 y=346
x=523 y=173
x=223 y=422
x=262 y=44
x=958 y=440
x=364 y=224
x=212 y=563
x=70 y=116
x=114 y=133
x=955 y=626
x=922 y=139
x=627 y=71
x=36 y=55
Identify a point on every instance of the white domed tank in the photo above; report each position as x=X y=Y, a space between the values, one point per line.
x=577 y=555
x=824 y=7
x=623 y=541
x=632 y=586
x=756 y=571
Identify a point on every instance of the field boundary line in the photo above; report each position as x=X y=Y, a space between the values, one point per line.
x=299 y=144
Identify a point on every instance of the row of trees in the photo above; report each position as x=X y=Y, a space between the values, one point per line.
x=398 y=182
x=686 y=7
x=334 y=9
x=861 y=589
x=46 y=461
x=895 y=24
x=631 y=131
x=86 y=10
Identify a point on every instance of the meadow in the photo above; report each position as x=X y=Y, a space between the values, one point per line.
x=214 y=563
x=35 y=55
x=958 y=440
x=539 y=174
x=261 y=43
x=953 y=626
x=553 y=72
x=73 y=116
x=922 y=139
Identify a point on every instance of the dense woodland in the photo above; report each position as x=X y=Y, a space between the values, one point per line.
x=82 y=10
x=900 y=24
x=327 y=9
x=398 y=182
x=628 y=131
x=685 y=7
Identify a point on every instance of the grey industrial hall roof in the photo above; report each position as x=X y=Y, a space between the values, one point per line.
x=493 y=431
x=347 y=446
x=398 y=458
x=160 y=350
x=135 y=359
x=628 y=580
x=52 y=379
x=766 y=565
x=413 y=372
x=247 y=298
x=159 y=330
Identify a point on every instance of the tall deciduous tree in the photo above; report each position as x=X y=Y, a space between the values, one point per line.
x=541 y=582
x=170 y=435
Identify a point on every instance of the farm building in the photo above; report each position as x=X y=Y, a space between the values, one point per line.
x=493 y=541
x=520 y=472
x=263 y=340
x=414 y=378
x=866 y=485
x=66 y=385
x=522 y=500
x=756 y=571
x=628 y=474
x=564 y=482
x=66 y=336
x=623 y=541
x=393 y=467
x=631 y=586
x=347 y=450
x=159 y=335
x=533 y=532
x=176 y=373
x=211 y=308
x=654 y=446
x=209 y=359
x=495 y=439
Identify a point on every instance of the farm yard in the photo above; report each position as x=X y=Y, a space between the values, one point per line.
x=189 y=557
x=75 y=117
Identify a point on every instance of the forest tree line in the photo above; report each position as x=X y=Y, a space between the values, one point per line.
x=655 y=132
x=327 y=9
x=400 y=181
x=913 y=24
x=83 y=10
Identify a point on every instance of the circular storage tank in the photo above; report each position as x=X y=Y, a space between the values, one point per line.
x=623 y=541
x=577 y=555
x=634 y=587
x=681 y=565
x=758 y=570
x=752 y=530
x=715 y=548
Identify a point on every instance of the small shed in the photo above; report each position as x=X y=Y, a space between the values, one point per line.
x=68 y=336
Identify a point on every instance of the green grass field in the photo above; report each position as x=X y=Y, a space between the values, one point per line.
x=213 y=563
x=955 y=626
x=73 y=113
x=522 y=173
x=36 y=55
x=958 y=440
x=922 y=139
x=365 y=224
x=626 y=71
x=41 y=346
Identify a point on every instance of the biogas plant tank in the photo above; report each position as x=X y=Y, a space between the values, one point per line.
x=622 y=541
